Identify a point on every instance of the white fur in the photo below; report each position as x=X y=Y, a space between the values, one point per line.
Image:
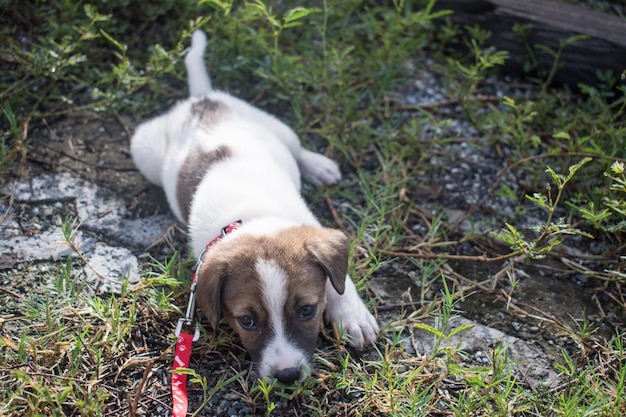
x=280 y=353
x=348 y=311
x=199 y=81
x=259 y=183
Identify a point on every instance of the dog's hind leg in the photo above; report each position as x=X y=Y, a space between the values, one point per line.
x=318 y=168
x=197 y=76
x=148 y=147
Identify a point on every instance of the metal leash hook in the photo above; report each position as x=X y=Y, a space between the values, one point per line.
x=179 y=327
x=188 y=319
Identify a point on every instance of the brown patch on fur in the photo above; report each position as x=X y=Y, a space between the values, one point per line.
x=228 y=282
x=191 y=173
x=209 y=112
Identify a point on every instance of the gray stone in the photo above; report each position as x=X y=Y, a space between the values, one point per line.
x=530 y=361
x=107 y=264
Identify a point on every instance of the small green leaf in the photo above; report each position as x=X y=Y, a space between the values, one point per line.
x=508 y=101
x=576 y=167
x=429 y=329
x=461 y=328
x=298 y=13
x=90 y=11
x=538 y=199
x=561 y=135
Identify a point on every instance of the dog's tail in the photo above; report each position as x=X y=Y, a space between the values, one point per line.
x=197 y=76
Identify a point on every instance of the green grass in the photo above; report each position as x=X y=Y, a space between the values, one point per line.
x=336 y=71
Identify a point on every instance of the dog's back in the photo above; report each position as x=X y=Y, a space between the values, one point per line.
x=216 y=138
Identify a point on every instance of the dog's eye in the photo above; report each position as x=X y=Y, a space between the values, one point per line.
x=306 y=312
x=247 y=322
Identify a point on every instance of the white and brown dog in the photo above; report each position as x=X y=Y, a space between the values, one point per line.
x=219 y=159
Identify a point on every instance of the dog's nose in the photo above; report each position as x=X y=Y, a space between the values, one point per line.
x=288 y=375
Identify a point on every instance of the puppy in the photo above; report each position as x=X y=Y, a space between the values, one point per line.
x=219 y=160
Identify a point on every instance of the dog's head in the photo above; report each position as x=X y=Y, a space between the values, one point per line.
x=271 y=290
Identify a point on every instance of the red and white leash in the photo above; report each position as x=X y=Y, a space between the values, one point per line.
x=185 y=341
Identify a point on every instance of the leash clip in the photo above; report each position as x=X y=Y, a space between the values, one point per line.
x=188 y=319
x=182 y=322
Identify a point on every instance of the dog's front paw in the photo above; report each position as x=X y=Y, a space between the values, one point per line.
x=361 y=328
x=318 y=168
x=350 y=313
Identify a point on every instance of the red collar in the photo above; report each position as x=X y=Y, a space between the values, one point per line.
x=225 y=230
x=184 y=344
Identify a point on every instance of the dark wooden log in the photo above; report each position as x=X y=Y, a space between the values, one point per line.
x=550 y=22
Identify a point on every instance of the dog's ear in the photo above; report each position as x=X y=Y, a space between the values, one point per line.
x=329 y=247
x=211 y=278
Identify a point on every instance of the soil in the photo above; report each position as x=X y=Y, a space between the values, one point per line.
x=94 y=148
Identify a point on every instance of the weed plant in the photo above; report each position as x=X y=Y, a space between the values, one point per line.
x=336 y=71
